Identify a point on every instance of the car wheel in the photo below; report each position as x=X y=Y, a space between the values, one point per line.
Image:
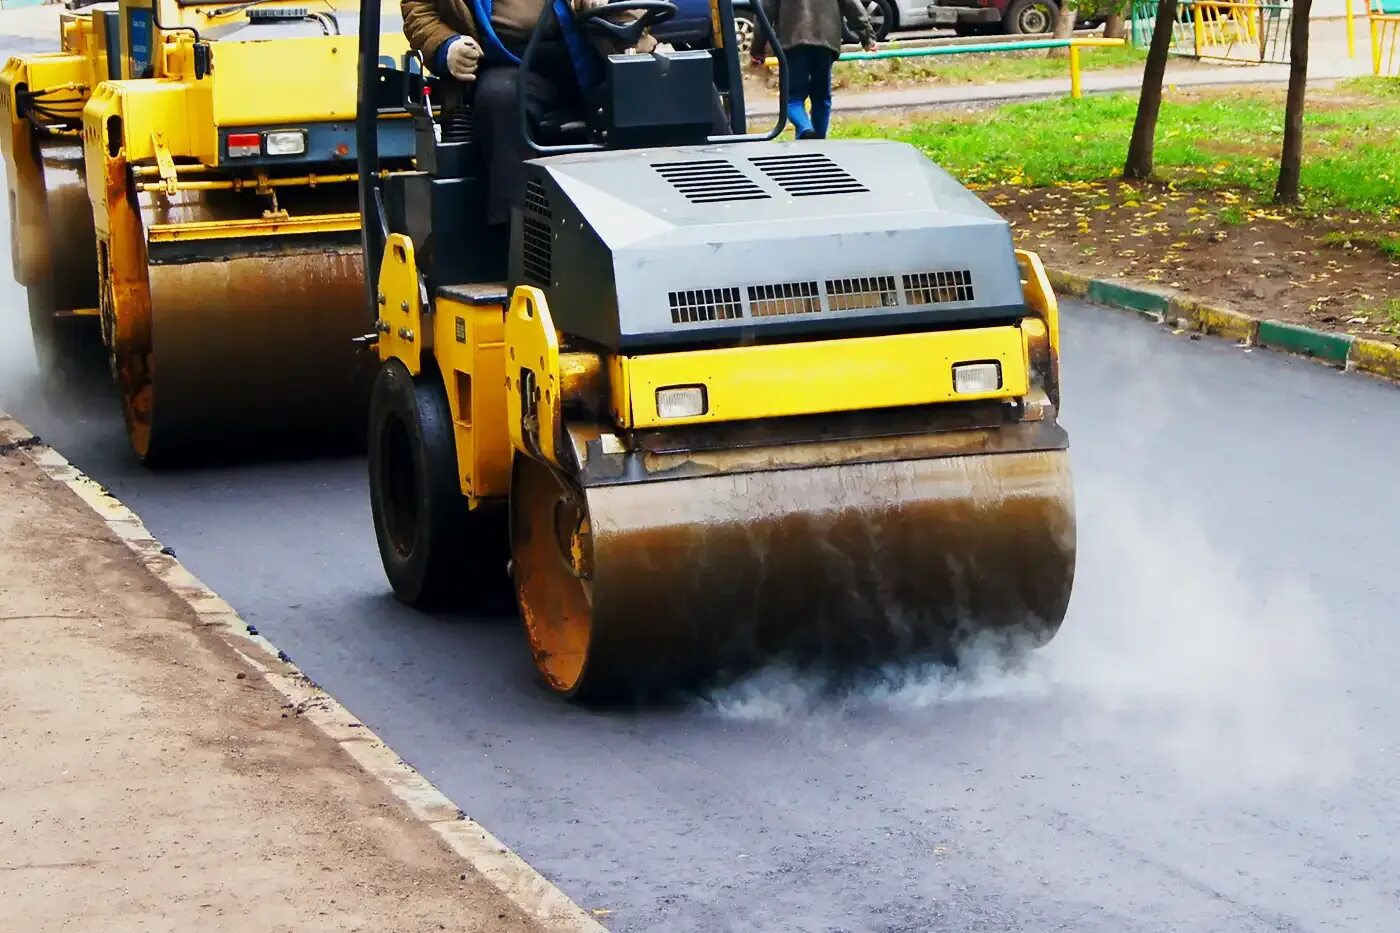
x=881 y=17
x=744 y=30
x=1030 y=17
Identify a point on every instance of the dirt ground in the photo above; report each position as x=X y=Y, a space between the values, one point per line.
x=1320 y=271
x=151 y=780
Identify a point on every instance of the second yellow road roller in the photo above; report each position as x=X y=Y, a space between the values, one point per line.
x=718 y=398
x=182 y=190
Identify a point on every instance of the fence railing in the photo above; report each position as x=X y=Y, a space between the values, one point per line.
x=1074 y=45
x=1240 y=31
x=1383 y=17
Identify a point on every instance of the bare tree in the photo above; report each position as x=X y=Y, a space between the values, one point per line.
x=1139 y=163
x=1290 y=165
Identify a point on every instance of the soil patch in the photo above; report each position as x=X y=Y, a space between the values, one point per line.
x=1330 y=271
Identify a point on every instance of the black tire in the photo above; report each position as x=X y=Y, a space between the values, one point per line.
x=882 y=17
x=436 y=552
x=1030 y=17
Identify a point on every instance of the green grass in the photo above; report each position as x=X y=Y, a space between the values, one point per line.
x=1216 y=140
x=977 y=68
x=1388 y=312
x=1388 y=245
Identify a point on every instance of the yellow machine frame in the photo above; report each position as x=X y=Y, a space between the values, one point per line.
x=483 y=352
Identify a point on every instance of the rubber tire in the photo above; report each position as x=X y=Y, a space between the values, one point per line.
x=1010 y=22
x=890 y=21
x=454 y=556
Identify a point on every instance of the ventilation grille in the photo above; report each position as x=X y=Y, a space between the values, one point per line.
x=856 y=294
x=537 y=240
x=808 y=174
x=862 y=294
x=536 y=201
x=710 y=181
x=933 y=288
x=784 y=298
x=706 y=304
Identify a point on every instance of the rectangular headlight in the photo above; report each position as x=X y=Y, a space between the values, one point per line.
x=242 y=145
x=285 y=142
x=976 y=378
x=681 y=402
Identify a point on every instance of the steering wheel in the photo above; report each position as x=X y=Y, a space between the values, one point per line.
x=626 y=34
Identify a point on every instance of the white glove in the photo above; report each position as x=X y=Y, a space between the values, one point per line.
x=463 y=58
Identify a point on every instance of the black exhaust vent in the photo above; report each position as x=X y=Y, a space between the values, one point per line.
x=536 y=201
x=806 y=174
x=784 y=298
x=862 y=294
x=710 y=181
x=537 y=236
x=934 y=288
x=706 y=304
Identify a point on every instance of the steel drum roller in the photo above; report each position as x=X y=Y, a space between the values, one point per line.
x=657 y=582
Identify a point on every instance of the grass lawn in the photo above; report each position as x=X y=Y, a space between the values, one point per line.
x=976 y=68
x=1205 y=140
x=1205 y=224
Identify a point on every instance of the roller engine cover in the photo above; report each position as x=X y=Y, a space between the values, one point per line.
x=708 y=245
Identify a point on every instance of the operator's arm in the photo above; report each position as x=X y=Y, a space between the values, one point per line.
x=448 y=48
x=859 y=21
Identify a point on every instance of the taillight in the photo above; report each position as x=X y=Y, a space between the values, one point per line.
x=242 y=145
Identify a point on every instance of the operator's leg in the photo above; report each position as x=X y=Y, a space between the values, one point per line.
x=497 y=126
x=820 y=90
x=798 y=83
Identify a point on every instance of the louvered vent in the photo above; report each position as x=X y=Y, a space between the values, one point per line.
x=710 y=181
x=784 y=298
x=705 y=304
x=933 y=288
x=807 y=174
x=537 y=256
x=861 y=294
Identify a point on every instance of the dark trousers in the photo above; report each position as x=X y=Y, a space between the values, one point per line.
x=809 y=79
x=497 y=126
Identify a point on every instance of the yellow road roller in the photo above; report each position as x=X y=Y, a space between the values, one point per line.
x=716 y=399
x=182 y=190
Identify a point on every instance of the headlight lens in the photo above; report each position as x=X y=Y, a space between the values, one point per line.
x=681 y=402
x=285 y=143
x=976 y=378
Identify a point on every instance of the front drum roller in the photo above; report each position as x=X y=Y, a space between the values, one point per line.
x=248 y=355
x=651 y=585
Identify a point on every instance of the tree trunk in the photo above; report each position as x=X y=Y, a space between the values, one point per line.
x=1139 y=163
x=1064 y=27
x=1290 y=164
x=1115 y=26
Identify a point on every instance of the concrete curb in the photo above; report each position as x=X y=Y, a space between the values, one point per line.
x=1167 y=307
x=505 y=870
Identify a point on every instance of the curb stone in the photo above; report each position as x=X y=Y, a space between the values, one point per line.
x=506 y=871
x=1166 y=307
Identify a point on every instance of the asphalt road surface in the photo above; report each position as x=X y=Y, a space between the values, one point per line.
x=1212 y=743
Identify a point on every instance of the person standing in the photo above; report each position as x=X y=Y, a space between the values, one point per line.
x=810 y=33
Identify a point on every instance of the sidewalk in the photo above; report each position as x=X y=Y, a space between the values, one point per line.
x=1327 y=61
x=151 y=779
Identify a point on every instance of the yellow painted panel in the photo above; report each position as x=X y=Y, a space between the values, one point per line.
x=469 y=346
x=533 y=406
x=820 y=376
x=1040 y=297
x=400 y=323
x=255 y=86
